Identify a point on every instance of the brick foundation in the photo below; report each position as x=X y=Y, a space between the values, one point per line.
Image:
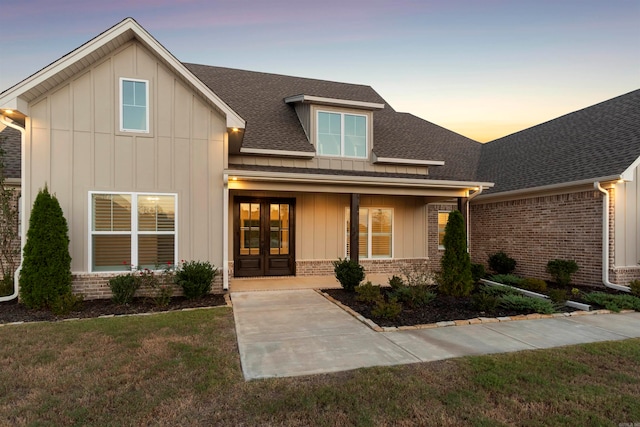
x=624 y=275
x=373 y=266
x=538 y=229
x=96 y=286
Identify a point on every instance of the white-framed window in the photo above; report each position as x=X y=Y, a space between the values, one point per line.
x=443 y=218
x=126 y=229
x=375 y=232
x=134 y=105
x=341 y=134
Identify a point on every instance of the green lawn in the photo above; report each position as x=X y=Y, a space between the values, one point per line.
x=182 y=368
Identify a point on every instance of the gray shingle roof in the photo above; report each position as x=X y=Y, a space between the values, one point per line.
x=595 y=142
x=273 y=124
x=10 y=144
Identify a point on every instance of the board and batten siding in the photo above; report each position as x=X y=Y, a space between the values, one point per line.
x=74 y=146
x=320 y=223
x=627 y=222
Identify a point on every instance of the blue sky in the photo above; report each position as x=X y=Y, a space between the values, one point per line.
x=483 y=68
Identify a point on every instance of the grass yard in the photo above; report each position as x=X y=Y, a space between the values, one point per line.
x=182 y=368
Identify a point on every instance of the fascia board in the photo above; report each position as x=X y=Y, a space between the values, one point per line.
x=320 y=100
x=282 y=153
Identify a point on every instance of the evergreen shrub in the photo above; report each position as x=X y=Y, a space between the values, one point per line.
x=455 y=277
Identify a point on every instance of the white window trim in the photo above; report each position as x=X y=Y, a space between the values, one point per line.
x=342 y=114
x=369 y=234
x=134 y=227
x=121 y=105
x=440 y=247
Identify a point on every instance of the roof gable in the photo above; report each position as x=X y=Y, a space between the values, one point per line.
x=17 y=97
x=601 y=141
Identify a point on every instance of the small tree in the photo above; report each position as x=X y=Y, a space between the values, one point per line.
x=9 y=245
x=456 y=278
x=45 y=278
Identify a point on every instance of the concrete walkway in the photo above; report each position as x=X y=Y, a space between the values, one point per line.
x=291 y=333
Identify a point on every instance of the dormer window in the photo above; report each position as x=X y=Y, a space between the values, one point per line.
x=342 y=134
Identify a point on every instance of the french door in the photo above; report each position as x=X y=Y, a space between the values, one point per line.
x=264 y=237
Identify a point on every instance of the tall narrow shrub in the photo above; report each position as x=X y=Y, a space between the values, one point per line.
x=456 y=278
x=45 y=278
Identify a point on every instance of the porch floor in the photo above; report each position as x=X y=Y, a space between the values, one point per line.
x=245 y=284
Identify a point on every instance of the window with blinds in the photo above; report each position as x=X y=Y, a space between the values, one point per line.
x=375 y=233
x=132 y=229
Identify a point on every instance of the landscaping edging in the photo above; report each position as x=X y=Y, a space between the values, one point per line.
x=475 y=321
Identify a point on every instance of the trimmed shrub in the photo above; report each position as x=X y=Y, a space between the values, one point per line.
x=501 y=263
x=485 y=302
x=478 y=272
x=533 y=284
x=368 y=292
x=613 y=302
x=46 y=268
x=123 y=288
x=498 y=291
x=387 y=309
x=634 y=285
x=525 y=303
x=195 y=278
x=349 y=273
x=561 y=270
x=558 y=296
x=396 y=282
x=414 y=296
x=67 y=303
x=455 y=279
x=6 y=285
x=506 y=279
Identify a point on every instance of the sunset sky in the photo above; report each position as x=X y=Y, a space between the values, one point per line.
x=483 y=68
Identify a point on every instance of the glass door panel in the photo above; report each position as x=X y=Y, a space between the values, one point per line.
x=279 y=229
x=249 y=228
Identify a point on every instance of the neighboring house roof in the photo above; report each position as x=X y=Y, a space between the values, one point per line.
x=10 y=141
x=273 y=124
x=601 y=141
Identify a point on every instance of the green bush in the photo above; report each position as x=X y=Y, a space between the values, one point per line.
x=123 y=288
x=558 y=296
x=561 y=270
x=6 y=285
x=455 y=278
x=67 y=303
x=46 y=267
x=368 y=292
x=525 y=303
x=498 y=291
x=387 y=309
x=349 y=273
x=613 y=302
x=478 y=272
x=396 y=282
x=195 y=278
x=501 y=263
x=485 y=302
x=506 y=279
x=634 y=285
x=414 y=296
x=533 y=284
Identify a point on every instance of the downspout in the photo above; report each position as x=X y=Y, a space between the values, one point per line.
x=469 y=199
x=16 y=276
x=605 y=241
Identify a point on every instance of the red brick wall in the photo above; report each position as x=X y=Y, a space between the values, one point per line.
x=435 y=254
x=374 y=266
x=538 y=229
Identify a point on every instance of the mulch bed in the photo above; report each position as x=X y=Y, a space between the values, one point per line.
x=12 y=311
x=442 y=308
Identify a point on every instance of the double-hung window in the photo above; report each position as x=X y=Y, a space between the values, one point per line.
x=375 y=235
x=134 y=105
x=341 y=134
x=132 y=229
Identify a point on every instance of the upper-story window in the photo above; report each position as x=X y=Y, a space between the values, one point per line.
x=342 y=134
x=134 y=105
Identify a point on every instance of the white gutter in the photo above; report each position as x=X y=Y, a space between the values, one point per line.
x=16 y=276
x=605 y=241
x=471 y=197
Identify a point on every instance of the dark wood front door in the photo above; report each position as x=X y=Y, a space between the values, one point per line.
x=263 y=237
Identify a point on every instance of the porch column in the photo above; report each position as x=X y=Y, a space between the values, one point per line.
x=354 y=229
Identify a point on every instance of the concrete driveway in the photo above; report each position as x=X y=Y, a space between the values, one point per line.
x=299 y=332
